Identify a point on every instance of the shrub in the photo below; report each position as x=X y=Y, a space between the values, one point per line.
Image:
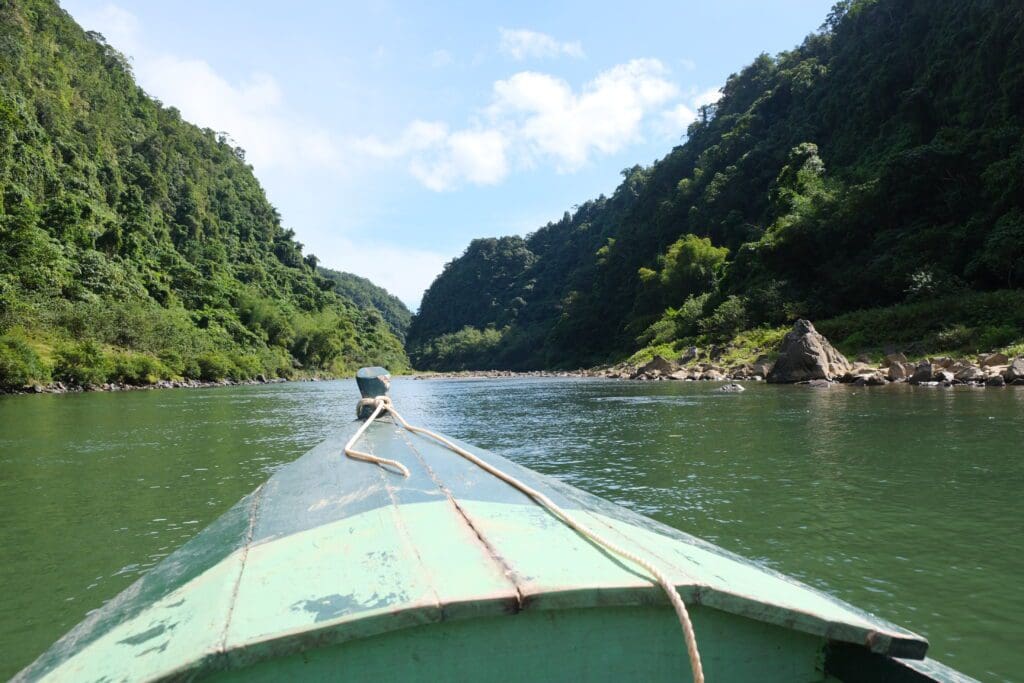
x=214 y=366
x=727 y=319
x=83 y=363
x=954 y=338
x=687 y=318
x=276 y=363
x=19 y=363
x=136 y=368
x=246 y=366
x=173 y=363
x=996 y=336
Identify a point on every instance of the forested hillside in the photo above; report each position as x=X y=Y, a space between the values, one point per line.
x=367 y=295
x=135 y=246
x=880 y=164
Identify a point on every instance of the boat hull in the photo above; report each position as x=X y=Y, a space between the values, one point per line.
x=340 y=569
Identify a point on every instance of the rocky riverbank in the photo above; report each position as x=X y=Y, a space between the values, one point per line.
x=807 y=357
x=804 y=357
x=500 y=374
x=62 y=388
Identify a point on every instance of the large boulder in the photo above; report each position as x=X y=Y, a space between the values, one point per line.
x=895 y=358
x=806 y=355
x=1015 y=371
x=762 y=366
x=994 y=359
x=970 y=374
x=900 y=371
x=925 y=372
x=660 y=365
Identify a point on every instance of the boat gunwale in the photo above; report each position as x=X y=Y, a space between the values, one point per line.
x=382 y=621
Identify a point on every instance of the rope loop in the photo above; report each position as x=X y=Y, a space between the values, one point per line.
x=383 y=403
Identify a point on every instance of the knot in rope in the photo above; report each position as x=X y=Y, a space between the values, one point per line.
x=383 y=403
x=380 y=404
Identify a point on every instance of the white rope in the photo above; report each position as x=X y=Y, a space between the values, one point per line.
x=351 y=452
x=384 y=402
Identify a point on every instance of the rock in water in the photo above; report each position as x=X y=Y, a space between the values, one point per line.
x=731 y=388
x=925 y=372
x=807 y=355
x=970 y=374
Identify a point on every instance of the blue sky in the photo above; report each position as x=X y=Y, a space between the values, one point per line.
x=390 y=134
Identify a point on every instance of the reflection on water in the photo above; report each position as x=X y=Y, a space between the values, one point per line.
x=903 y=500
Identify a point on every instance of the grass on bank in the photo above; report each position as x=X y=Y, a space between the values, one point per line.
x=965 y=324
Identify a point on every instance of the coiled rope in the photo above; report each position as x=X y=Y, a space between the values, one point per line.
x=383 y=403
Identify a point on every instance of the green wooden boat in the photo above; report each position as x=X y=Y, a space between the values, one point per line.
x=337 y=569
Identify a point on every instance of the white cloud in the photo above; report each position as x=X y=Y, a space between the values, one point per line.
x=551 y=121
x=676 y=120
x=252 y=111
x=709 y=96
x=403 y=271
x=533 y=118
x=119 y=26
x=474 y=156
x=520 y=44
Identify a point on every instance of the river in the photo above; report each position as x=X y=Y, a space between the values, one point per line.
x=906 y=501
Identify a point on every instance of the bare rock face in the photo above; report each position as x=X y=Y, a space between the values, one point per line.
x=807 y=355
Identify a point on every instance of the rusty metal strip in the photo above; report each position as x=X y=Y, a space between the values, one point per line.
x=489 y=550
x=257 y=498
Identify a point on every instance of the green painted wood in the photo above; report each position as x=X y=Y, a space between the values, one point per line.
x=334 y=555
x=611 y=644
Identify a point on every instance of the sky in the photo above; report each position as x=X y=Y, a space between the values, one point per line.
x=390 y=134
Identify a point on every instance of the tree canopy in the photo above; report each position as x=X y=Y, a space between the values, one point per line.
x=134 y=245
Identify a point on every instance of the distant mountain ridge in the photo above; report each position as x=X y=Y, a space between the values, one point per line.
x=367 y=295
x=135 y=246
x=879 y=163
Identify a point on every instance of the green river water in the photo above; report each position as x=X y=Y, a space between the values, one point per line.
x=905 y=501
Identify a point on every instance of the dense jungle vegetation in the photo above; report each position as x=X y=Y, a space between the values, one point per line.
x=874 y=175
x=135 y=246
x=365 y=294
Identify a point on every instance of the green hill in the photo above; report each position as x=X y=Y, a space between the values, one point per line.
x=878 y=165
x=135 y=246
x=367 y=295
